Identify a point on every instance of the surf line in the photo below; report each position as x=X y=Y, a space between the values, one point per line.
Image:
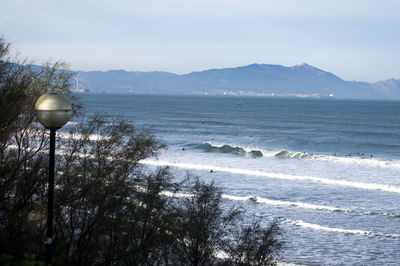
x=317 y=227
x=340 y=230
x=345 y=183
x=264 y=201
x=284 y=203
x=271 y=202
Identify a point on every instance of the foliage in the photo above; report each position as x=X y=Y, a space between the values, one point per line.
x=28 y=260
x=202 y=225
x=22 y=161
x=108 y=209
x=254 y=245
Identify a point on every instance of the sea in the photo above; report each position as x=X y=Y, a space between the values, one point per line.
x=327 y=169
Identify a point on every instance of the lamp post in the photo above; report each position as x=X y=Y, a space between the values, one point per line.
x=53 y=110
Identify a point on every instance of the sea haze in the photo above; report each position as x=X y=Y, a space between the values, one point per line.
x=328 y=170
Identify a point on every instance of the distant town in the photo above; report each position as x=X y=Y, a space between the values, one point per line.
x=304 y=81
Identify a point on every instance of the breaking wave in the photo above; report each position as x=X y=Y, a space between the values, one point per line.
x=318 y=227
x=208 y=147
x=352 y=158
x=303 y=205
x=293 y=154
x=298 y=223
x=283 y=176
x=257 y=199
x=282 y=203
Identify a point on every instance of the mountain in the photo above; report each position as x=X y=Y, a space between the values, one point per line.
x=389 y=88
x=255 y=79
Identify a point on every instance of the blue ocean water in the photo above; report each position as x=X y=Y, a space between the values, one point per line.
x=327 y=169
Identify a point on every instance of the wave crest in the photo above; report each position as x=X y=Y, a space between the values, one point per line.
x=283 y=176
x=318 y=227
x=208 y=147
x=257 y=199
x=352 y=158
x=255 y=153
x=292 y=154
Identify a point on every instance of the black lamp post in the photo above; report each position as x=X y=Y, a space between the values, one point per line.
x=53 y=110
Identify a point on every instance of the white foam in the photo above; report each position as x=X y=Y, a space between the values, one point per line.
x=177 y=194
x=72 y=123
x=265 y=153
x=363 y=160
x=284 y=203
x=283 y=176
x=340 y=230
x=78 y=136
x=262 y=200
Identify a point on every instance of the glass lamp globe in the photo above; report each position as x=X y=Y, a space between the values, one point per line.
x=53 y=110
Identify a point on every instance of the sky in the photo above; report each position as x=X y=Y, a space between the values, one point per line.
x=354 y=39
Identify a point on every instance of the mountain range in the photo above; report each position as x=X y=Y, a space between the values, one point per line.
x=255 y=79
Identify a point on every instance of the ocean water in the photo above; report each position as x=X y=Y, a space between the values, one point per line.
x=328 y=170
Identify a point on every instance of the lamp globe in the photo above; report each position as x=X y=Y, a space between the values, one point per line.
x=53 y=110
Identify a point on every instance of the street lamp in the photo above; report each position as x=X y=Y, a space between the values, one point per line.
x=53 y=110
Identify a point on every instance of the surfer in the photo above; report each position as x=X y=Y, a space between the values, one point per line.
x=359 y=154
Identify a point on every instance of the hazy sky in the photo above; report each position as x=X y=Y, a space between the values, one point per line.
x=355 y=39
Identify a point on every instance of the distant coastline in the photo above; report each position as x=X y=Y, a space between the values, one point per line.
x=301 y=81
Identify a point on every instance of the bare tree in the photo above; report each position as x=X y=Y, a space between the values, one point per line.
x=109 y=210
